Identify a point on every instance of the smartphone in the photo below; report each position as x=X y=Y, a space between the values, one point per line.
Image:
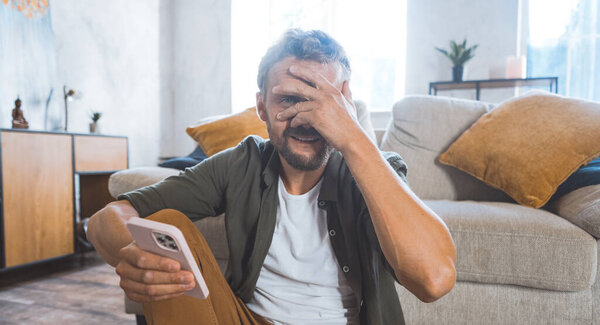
x=167 y=240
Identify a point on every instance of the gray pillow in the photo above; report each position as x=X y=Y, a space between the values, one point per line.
x=581 y=207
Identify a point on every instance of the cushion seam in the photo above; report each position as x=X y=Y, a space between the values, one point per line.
x=526 y=276
x=504 y=234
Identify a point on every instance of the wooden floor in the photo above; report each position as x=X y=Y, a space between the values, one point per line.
x=70 y=291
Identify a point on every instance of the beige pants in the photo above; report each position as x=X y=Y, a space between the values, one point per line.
x=221 y=306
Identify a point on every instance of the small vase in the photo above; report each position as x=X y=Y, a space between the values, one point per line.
x=94 y=127
x=457 y=73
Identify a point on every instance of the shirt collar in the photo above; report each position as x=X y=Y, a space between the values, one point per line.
x=329 y=188
x=271 y=164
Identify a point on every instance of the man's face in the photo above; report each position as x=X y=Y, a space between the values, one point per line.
x=302 y=147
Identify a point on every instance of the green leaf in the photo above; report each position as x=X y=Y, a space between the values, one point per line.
x=459 y=53
x=442 y=51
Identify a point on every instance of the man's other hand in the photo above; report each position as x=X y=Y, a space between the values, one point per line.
x=328 y=108
x=148 y=277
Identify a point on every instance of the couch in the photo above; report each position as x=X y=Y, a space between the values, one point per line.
x=516 y=264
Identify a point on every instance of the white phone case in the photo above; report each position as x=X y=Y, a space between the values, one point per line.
x=168 y=241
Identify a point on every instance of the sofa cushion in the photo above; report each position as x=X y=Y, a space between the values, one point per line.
x=581 y=207
x=423 y=127
x=506 y=243
x=529 y=145
x=131 y=179
x=227 y=132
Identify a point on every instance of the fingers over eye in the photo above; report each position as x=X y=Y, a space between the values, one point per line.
x=294 y=110
x=300 y=119
x=310 y=76
x=296 y=88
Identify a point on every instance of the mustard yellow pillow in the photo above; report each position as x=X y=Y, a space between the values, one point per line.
x=227 y=132
x=529 y=145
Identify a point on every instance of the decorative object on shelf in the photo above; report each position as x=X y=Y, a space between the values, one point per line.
x=95 y=116
x=69 y=96
x=516 y=67
x=18 y=120
x=459 y=54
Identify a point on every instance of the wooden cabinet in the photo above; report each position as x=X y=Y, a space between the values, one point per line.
x=39 y=170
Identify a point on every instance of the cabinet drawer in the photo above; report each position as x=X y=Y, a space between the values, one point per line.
x=96 y=153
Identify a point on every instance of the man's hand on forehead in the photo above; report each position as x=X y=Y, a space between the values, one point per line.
x=328 y=109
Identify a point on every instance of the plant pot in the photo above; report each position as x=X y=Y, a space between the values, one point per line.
x=94 y=128
x=457 y=73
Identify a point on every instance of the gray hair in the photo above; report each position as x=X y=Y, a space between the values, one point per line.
x=312 y=45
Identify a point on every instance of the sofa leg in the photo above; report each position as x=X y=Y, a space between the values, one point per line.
x=140 y=320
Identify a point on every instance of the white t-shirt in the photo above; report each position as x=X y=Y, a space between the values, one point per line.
x=301 y=281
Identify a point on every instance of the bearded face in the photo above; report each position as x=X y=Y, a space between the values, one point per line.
x=302 y=147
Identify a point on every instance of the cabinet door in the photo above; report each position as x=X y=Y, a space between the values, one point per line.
x=37 y=186
x=94 y=153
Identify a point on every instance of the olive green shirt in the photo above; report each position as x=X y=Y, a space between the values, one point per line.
x=242 y=182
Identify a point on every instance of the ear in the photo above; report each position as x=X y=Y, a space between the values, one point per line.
x=260 y=107
x=346 y=91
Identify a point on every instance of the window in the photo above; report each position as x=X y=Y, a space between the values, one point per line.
x=564 y=41
x=373 y=34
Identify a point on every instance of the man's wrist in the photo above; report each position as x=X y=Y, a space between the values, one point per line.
x=358 y=146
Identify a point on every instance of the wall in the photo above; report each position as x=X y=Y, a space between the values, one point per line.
x=108 y=50
x=493 y=24
x=201 y=66
x=28 y=67
x=152 y=67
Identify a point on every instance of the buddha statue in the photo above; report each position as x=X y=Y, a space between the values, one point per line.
x=18 y=122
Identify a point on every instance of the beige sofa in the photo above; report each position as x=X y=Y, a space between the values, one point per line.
x=516 y=265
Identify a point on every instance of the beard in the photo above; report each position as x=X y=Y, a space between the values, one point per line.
x=300 y=162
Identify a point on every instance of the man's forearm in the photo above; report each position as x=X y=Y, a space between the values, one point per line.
x=107 y=230
x=414 y=240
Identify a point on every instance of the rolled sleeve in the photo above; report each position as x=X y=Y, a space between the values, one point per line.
x=397 y=164
x=197 y=192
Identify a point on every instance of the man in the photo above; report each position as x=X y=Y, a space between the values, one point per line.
x=320 y=223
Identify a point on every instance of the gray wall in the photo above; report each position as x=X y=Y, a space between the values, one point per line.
x=108 y=51
x=153 y=67
x=201 y=66
x=493 y=24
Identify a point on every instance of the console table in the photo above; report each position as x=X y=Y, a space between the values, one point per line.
x=550 y=82
x=39 y=172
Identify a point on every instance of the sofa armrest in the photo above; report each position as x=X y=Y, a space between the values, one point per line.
x=131 y=179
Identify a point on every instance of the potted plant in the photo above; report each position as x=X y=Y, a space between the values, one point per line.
x=95 y=116
x=459 y=54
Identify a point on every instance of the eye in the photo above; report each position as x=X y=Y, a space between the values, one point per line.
x=288 y=100
x=291 y=100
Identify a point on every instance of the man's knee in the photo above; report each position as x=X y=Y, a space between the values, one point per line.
x=169 y=216
x=177 y=219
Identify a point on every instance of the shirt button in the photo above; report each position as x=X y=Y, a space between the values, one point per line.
x=346 y=269
x=331 y=232
x=322 y=203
